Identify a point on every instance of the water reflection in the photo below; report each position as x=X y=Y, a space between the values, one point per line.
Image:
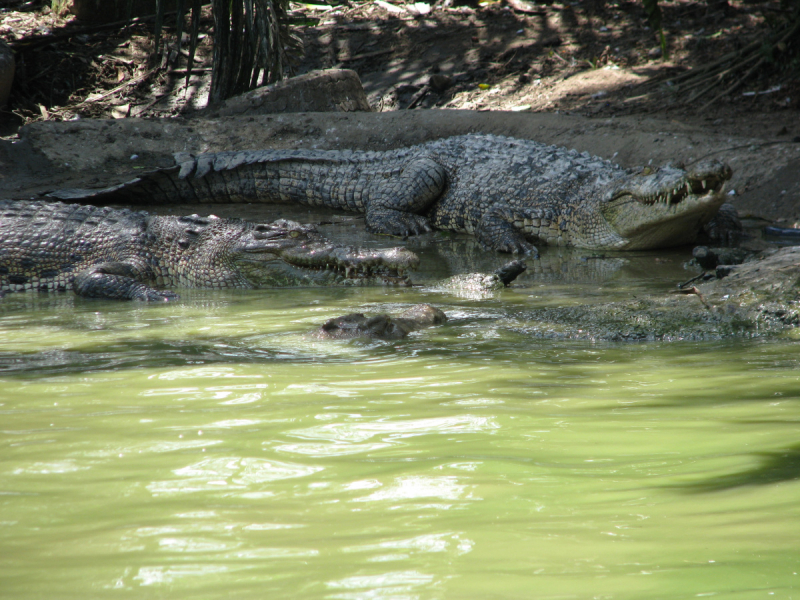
x=419 y=487
x=438 y=542
x=394 y=584
x=148 y=576
x=354 y=433
x=398 y=428
x=230 y=474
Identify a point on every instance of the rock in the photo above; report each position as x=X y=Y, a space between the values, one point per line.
x=705 y=257
x=723 y=270
x=332 y=90
x=439 y=82
x=710 y=258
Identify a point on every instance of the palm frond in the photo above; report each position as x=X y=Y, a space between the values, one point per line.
x=253 y=44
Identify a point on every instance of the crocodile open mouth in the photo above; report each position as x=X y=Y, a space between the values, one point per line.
x=709 y=180
x=692 y=187
x=664 y=207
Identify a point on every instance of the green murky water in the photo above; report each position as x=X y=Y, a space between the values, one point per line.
x=212 y=449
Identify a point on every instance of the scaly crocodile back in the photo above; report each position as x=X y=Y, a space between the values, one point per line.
x=44 y=244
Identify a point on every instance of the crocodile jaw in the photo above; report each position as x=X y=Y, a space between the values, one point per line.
x=646 y=226
x=288 y=254
x=326 y=264
x=665 y=208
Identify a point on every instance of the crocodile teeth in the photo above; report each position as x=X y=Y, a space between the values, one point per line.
x=703 y=183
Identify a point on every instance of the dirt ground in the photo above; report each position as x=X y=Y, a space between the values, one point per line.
x=587 y=59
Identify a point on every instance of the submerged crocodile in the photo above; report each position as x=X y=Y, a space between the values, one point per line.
x=382 y=326
x=121 y=254
x=509 y=193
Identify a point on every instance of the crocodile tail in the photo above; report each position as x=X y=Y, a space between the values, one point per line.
x=149 y=188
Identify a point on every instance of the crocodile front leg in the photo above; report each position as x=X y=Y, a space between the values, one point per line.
x=394 y=208
x=117 y=281
x=501 y=229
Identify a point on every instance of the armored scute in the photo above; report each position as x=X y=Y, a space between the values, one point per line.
x=509 y=193
x=121 y=254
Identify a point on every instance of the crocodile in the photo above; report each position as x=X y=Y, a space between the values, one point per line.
x=381 y=326
x=101 y=252
x=510 y=193
x=386 y=327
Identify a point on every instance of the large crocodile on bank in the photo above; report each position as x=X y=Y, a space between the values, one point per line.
x=121 y=254
x=509 y=193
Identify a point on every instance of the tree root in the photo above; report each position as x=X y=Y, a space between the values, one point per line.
x=729 y=72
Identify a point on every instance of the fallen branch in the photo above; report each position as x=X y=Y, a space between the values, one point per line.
x=134 y=81
x=692 y=291
x=727 y=73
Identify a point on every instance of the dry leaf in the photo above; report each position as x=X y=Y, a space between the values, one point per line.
x=121 y=112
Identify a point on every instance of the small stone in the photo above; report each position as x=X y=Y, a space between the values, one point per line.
x=439 y=82
x=724 y=270
x=654 y=52
x=705 y=257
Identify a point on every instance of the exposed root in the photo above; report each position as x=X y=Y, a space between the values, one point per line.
x=728 y=73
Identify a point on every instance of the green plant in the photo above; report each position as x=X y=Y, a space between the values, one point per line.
x=59 y=6
x=252 y=42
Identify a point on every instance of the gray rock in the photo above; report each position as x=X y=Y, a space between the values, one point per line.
x=332 y=90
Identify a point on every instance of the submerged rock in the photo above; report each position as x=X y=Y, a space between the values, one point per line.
x=756 y=298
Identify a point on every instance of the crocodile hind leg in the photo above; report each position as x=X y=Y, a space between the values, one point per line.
x=117 y=281
x=394 y=209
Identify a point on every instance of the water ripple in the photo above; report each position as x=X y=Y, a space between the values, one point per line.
x=229 y=473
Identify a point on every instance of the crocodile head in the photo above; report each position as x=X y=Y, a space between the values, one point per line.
x=381 y=326
x=657 y=208
x=234 y=253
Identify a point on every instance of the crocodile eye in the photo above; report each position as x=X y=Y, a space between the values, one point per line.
x=647 y=171
x=294 y=234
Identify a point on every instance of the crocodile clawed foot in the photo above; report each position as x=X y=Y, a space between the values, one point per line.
x=511 y=245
